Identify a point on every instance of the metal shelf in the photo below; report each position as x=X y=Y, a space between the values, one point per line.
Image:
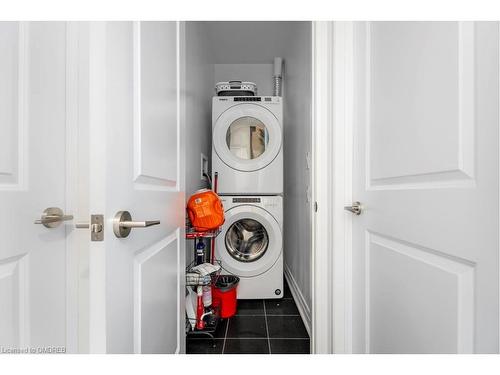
x=210 y=325
x=192 y=234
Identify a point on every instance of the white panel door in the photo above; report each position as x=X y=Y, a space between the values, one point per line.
x=425 y=249
x=136 y=127
x=32 y=178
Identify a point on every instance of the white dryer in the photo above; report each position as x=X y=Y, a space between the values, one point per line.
x=247 y=144
x=251 y=244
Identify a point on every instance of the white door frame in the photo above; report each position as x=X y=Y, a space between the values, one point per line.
x=332 y=61
x=96 y=78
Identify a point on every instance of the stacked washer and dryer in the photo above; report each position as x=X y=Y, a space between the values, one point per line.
x=247 y=156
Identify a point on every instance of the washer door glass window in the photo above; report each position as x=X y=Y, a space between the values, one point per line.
x=247 y=240
x=247 y=138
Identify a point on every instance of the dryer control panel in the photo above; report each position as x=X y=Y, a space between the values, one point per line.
x=262 y=99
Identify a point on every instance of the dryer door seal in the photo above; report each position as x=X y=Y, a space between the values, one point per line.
x=247 y=137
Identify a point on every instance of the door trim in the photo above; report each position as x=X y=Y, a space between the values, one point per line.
x=333 y=85
x=343 y=125
x=96 y=40
x=322 y=314
x=498 y=26
x=181 y=178
x=73 y=241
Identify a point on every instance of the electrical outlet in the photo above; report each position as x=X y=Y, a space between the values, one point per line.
x=203 y=166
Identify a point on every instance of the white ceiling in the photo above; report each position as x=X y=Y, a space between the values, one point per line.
x=251 y=42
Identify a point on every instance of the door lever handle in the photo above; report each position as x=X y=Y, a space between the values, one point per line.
x=123 y=224
x=52 y=217
x=139 y=224
x=356 y=208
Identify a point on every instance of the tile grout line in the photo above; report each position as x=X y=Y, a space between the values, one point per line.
x=267 y=327
x=225 y=336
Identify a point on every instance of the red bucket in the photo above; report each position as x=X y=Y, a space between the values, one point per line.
x=224 y=295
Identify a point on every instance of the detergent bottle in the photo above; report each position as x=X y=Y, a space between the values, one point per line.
x=200 y=251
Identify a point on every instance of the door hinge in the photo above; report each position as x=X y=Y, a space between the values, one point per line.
x=315 y=206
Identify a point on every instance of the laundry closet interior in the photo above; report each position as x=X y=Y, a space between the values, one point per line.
x=257 y=150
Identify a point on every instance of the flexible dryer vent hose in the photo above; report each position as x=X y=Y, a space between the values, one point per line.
x=278 y=75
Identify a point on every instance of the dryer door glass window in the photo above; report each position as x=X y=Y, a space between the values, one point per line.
x=247 y=138
x=247 y=240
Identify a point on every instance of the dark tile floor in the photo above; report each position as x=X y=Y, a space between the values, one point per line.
x=259 y=327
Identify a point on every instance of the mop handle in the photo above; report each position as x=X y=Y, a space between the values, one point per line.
x=212 y=244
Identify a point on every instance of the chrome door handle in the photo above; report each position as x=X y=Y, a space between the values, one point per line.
x=52 y=217
x=123 y=224
x=139 y=224
x=356 y=208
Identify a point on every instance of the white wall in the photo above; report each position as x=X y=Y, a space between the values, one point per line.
x=297 y=147
x=250 y=42
x=199 y=90
x=260 y=74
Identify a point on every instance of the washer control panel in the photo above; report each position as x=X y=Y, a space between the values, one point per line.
x=246 y=200
x=262 y=201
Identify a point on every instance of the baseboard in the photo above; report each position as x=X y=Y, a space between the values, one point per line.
x=304 y=309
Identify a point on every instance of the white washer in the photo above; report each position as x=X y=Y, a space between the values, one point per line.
x=250 y=244
x=247 y=138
